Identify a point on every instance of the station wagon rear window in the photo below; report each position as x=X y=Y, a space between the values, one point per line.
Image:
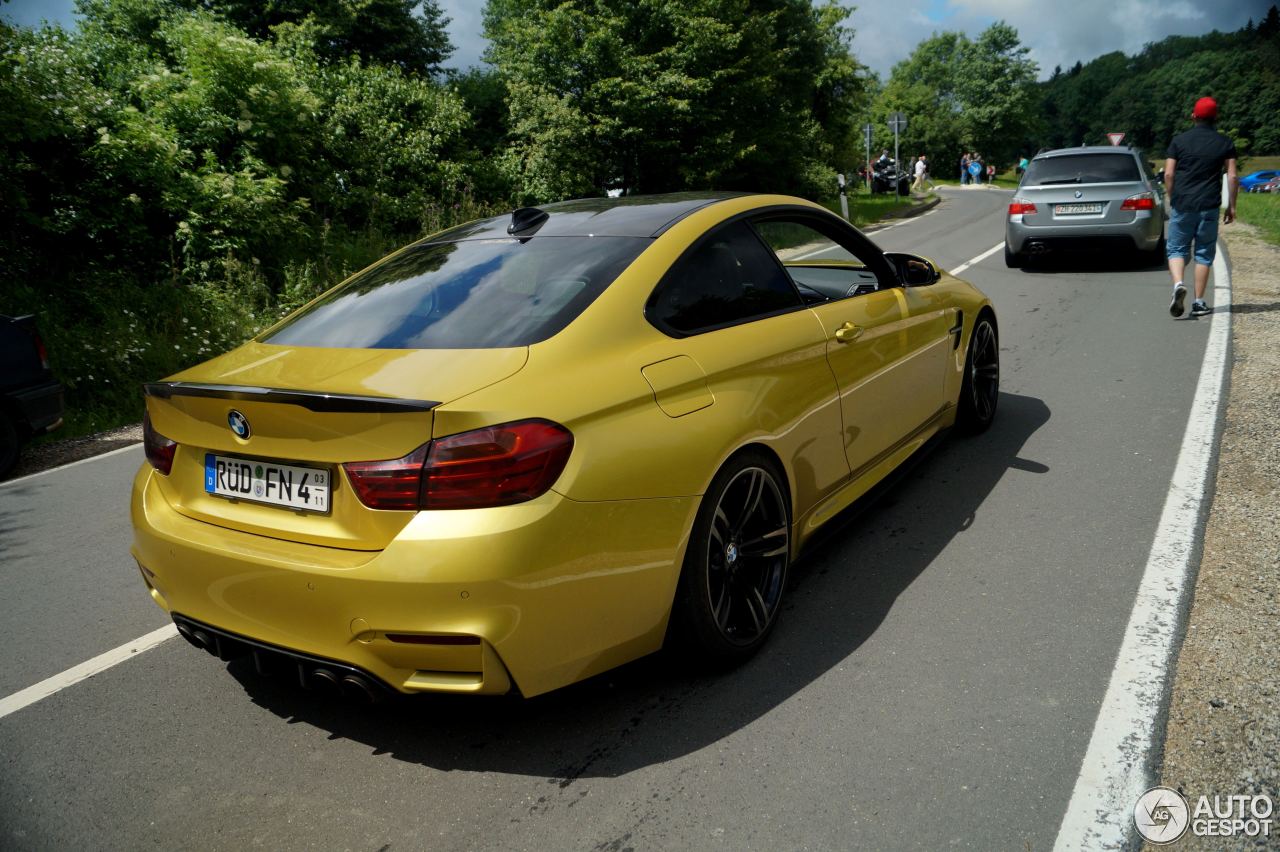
x=1082 y=168
x=470 y=294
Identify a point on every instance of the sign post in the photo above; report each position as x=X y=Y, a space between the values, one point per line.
x=844 y=199
x=897 y=123
x=867 y=130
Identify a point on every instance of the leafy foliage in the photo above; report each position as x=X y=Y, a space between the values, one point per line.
x=659 y=95
x=171 y=183
x=1150 y=96
x=961 y=95
x=408 y=34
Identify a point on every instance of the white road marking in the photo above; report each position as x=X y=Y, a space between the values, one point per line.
x=69 y=464
x=1117 y=766
x=986 y=254
x=87 y=669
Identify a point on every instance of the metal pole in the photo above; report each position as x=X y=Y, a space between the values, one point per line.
x=844 y=199
x=897 y=165
x=866 y=164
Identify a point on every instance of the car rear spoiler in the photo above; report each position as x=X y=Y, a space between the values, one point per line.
x=310 y=400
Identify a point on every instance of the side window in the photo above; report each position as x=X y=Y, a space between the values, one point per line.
x=730 y=278
x=821 y=268
x=797 y=241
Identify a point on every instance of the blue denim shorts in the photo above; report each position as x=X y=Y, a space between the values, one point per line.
x=1198 y=225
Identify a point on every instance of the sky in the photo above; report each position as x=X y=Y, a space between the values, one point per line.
x=1058 y=32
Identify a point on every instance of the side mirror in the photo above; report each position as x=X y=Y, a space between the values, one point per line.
x=913 y=270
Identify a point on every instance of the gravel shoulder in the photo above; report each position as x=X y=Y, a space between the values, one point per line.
x=1223 y=731
x=49 y=454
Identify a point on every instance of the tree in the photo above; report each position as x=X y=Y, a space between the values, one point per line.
x=660 y=95
x=410 y=34
x=997 y=87
x=961 y=95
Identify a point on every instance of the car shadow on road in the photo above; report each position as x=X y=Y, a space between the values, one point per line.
x=1122 y=262
x=654 y=710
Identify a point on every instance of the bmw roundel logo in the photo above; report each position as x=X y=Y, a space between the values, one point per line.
x=1079 y=194
x=239 y=424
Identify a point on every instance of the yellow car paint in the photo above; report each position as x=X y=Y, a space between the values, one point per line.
x=581 y=578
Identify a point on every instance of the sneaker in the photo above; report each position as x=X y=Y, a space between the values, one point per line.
x=1199 y=308
x=1179 y=298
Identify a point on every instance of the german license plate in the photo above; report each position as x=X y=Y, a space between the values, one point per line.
x=291 y=486
x=1075 y=209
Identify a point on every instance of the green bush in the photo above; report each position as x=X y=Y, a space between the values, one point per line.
x=171 y=186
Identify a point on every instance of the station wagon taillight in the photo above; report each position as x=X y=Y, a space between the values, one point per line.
x=159 y=449
x=41 y=352
x=1021 y=206
x=1141 y=201
x=494 y=466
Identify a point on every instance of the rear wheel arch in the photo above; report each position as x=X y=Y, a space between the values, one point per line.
x=699 y=625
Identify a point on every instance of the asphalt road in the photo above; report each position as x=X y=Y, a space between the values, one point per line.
x=933 y=682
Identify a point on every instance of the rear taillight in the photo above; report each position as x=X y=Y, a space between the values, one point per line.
x=1142 y=201
x=1021 y=206
x=494 y=466
x=393 y=484
x=41 y=353
x=159 y=449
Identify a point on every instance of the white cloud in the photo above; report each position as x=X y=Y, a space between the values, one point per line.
x=1057 y=33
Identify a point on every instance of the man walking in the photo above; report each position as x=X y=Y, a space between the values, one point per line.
x=1192 y=183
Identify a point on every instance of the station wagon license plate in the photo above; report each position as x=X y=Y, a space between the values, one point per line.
x=1075 y=209
x=291 y=486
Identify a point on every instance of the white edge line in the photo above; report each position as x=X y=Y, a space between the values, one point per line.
x=986 y=254
x=114 y=452
x=87 y=669
x=1117 y=766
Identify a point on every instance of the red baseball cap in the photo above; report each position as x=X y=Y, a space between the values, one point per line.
x=1206 y=109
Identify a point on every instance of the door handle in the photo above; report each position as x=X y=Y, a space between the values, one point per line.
x=848 y=333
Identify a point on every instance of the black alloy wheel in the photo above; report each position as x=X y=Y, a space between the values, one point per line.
x=736 y=566
x=980 y=389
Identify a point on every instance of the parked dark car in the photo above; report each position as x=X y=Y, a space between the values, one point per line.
x=30 y=398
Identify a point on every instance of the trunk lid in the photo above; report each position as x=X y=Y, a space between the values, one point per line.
x=310 y=409
x=1068 y=204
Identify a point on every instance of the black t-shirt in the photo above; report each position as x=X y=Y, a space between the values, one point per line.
x=1201 y=153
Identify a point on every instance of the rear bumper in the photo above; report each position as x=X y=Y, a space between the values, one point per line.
x=1142 y=234
x=536 y=595
x=39 y=408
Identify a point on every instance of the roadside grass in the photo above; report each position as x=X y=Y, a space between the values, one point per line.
x=1262 y=210
x=868 y=209
x=1251 y=164
x=126 y=331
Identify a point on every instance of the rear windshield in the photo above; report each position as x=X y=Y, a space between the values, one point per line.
x=1082 y=168
x=476 y=294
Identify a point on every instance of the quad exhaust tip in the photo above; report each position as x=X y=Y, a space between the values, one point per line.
x=327 y=678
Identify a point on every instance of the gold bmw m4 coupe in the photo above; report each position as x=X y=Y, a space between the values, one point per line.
x=531 y=448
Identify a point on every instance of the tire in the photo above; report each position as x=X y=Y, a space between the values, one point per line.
x=980 y=389
x=735 y=568
x=1011 y=259
x=1157 y=255
x=10 y=445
